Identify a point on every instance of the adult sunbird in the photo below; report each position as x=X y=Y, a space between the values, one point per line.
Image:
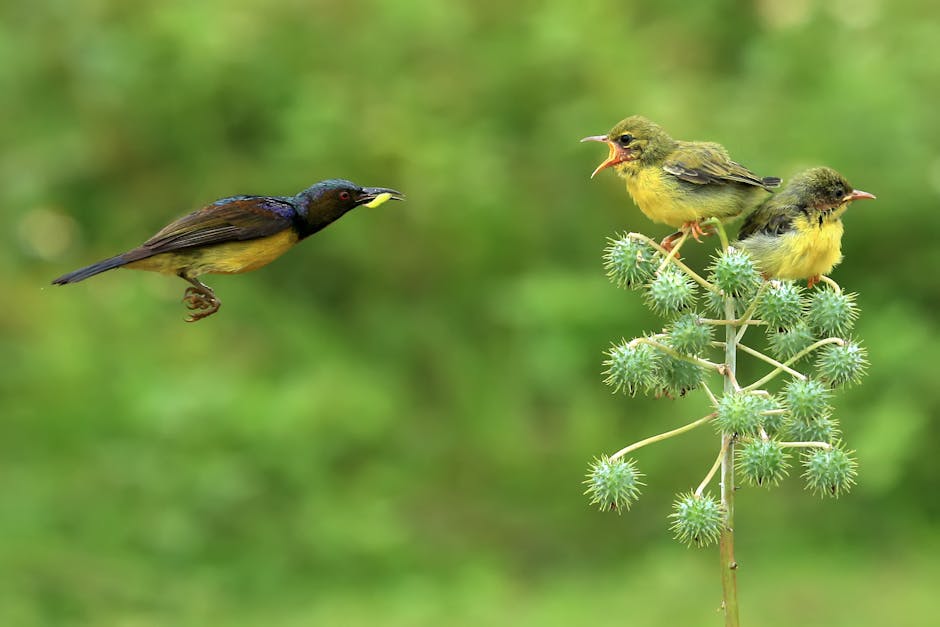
x=237 y=234
x=797 y=233
x=679 y=183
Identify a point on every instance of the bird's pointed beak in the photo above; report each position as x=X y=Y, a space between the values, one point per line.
x=616 y=155
x=858 y=194
x=375 y=196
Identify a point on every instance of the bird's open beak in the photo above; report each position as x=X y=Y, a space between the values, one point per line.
x=858 y=194
x=375 y=196
x=616 y=155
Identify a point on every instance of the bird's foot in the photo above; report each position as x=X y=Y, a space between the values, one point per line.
x=201 y=303
x=696 y=231
x=669 y=242
x=812 y=281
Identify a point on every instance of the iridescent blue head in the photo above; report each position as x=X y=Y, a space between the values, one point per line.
x=330 y=199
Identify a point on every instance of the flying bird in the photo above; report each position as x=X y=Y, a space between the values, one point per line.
x=237 y=234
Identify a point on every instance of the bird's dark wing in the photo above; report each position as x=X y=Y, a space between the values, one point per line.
x=772 y=218
x=230 y=219
x=707 y=163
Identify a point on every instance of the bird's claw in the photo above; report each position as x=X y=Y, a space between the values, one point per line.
x=669 y=242
x=696 y=231
x=200 y=303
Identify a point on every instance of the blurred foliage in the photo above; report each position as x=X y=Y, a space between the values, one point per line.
x=390 y=424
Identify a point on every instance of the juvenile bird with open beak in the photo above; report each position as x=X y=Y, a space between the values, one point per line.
x=679 y=183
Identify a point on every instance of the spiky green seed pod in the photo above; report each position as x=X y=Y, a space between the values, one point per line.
x=613 y=484
x=678 y=376
x=688 y=335
x=765 y=403
x=772 y=422
x=670 y=291
x=830 y=472
x=781 y=305
x=842 y=364
x=762 y=462
x=715 y=304
x=734 y=273
x=785 y=343
x=696 y=520
x=806 y=399
x=630 y=262
x=820 y=429
x=740 y=413
x=832 y=313
x=631 y=367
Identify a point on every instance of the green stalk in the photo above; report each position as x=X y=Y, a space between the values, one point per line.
x=729 y=567
x=662 y=436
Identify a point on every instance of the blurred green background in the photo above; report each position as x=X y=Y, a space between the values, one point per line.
x=390 y=424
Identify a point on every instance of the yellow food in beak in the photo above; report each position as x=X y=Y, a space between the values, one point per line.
x=378 y=200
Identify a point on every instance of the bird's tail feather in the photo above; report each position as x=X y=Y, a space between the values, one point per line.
x=97 y=268
x=770 y=181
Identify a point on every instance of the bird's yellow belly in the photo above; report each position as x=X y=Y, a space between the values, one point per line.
x=227 y=258
x=806 y=252
x=658 y=202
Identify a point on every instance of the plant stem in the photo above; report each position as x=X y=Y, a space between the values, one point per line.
x=722 y=236
x=729 y=567
x=750 y=312
x=805 y=445
x=731 y=322
x=673 y=254
x=772 y=361
x=809 y=349
x=689 y=271
x=710 y=394
x=674 y=353
x=711 y=473
x=831 y=283
x=662 y=436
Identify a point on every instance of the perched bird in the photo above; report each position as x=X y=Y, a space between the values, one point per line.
x=797 y=233
x=676 y=182
x=237 y=234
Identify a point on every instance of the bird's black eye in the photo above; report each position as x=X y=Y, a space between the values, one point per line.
x=625 y=139
x=344 y=195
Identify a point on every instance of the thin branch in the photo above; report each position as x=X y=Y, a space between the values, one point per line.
x=824 y=445
x=711 y=473
x=674 y=253
x=674 y=353
x=809 y=349
x=830 y=283
x=721 y=231
x=711 y=395
x=729 y=372
x=708 y=286
x=750 y=311
x=772 y=361
x=733 y=323
x=663 y=436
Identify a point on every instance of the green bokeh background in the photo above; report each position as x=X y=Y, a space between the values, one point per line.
x=390 y=424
